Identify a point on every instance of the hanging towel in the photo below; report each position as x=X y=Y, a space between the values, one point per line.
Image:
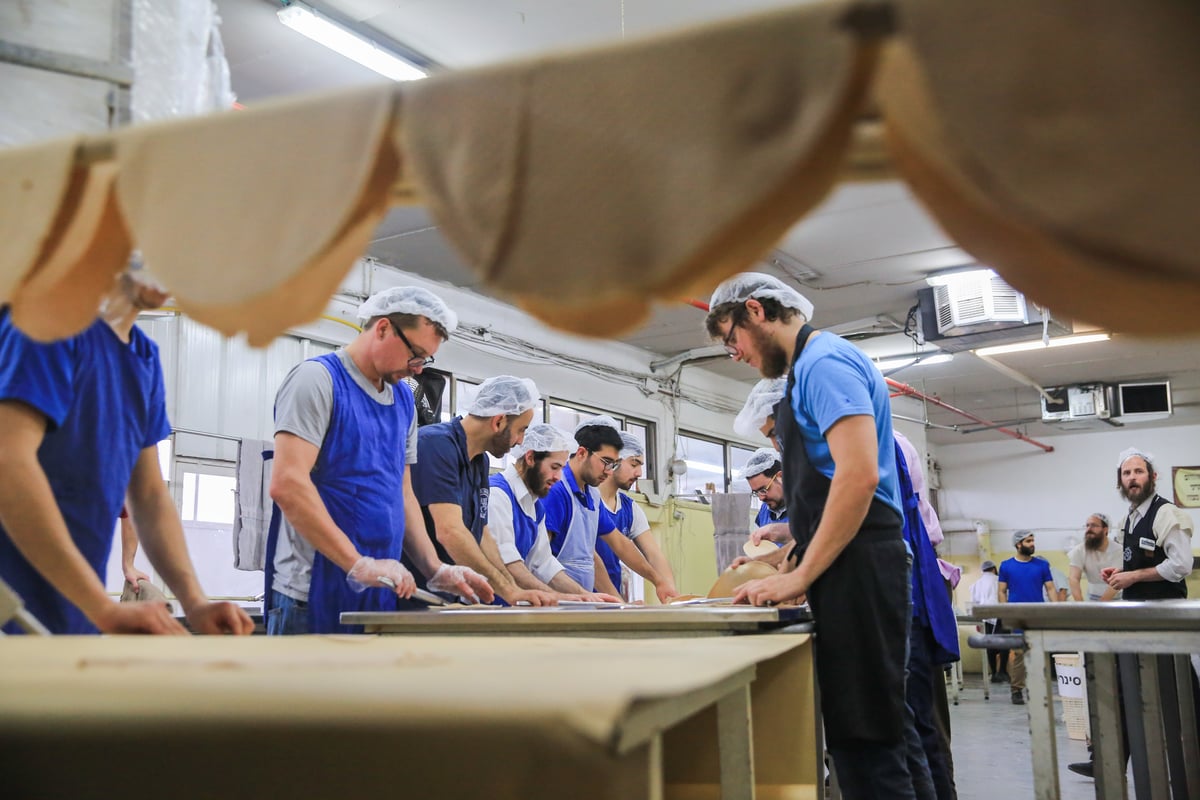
x=252 y=503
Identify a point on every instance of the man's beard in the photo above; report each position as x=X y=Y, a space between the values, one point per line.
x=1026 y=551
x=539 y=484
x=773 y=358
x=1093 y=542
x=501 y=442
x=1139 y=495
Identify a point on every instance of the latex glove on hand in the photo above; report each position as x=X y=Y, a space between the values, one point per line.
x=368 y=573
x=462 y=581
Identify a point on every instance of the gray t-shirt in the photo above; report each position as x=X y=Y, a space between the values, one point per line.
x=303 y=408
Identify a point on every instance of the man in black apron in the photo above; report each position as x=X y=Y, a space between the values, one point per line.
x=850 y=559
x=1157 y=558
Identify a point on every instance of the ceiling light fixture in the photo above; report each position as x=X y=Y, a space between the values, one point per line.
x=886 y=364
x=959 y=275
x=324 y=31
x=1038 y=344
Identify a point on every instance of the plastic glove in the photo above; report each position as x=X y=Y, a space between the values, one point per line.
x=369 y=573
x=462 y=581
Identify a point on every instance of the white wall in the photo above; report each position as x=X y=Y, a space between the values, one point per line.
x=1012 y=485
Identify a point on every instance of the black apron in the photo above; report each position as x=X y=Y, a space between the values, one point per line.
x=860 y=605
x=1138 y=557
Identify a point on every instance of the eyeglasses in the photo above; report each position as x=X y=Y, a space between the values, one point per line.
x=762 y=492
x=416 y=359
x=609 y=463
x=730 y=348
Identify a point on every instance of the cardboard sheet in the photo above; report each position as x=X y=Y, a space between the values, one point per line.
x=397 y=683
x=252 y=219
x=1072 y=171
x=663 y=165
x=33 y=183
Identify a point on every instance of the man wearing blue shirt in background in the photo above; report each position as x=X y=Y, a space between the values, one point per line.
x=80 y=423
x=1023 y=579
x=850 y=557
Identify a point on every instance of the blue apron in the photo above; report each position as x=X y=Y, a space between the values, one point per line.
x=624 y=519
x=524 y=528
x=575 y=546
x=931 y=604
x=359 y=475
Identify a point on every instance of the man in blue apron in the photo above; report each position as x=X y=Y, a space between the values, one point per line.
x=345 y=430
x=452 y=486
x=850 y=559
x=517 y=518
x=631 y=522
x=80 y=423
x=1156 y=551
x=575 y=512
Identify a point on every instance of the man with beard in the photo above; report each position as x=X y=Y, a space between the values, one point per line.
x=1156 y=536
x=451 y=483
x=516 y=516
x=631 y=522
x=847 y=526
x=1089 y=557
x=1023 y=579
x=575 y=512
x=1156 y=558
x=345 y=432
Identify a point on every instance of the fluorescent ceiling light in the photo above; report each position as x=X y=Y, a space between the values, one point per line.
x=325 y=31
x=959 y=276
x=885 y=364
x=1038 y=344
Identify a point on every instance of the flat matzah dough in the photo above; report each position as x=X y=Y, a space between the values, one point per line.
x=663 y=165
x=1073 y=173
x=33 y=184
x=229 y=208
x=89 y=248
x=729 y=580
x=761 y=549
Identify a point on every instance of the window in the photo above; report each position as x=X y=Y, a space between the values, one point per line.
x=567 y=416
x=738 y=456
x=705 y=459
x=206 y=506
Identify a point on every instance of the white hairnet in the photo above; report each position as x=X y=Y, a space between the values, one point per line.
x=743 y=286
x=760 y=461
x=631 y=447
x=760 y=404
x=541 y=437
x=603 y=419
x=1130 y=452
x=409 y=300
x=504 y=394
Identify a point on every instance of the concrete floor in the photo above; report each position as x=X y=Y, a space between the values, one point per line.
x=990 y=739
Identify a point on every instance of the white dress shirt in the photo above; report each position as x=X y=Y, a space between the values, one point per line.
x=540 y=561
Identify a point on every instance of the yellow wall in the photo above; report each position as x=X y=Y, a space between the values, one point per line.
x=687 y=543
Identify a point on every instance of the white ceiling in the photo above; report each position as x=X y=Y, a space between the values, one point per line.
x=861 y=255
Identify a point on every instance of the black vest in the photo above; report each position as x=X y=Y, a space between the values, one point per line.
x=1139 y=558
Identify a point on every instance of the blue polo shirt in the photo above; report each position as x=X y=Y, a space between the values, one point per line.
x=1025 y=579
x=834 y=380
x=444 y=474
x=104 y=403
x=559 y=509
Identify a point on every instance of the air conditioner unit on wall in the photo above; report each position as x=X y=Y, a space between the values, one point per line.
x=1075 y=403
x=990 y=313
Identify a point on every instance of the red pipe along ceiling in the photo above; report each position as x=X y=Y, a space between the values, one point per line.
x=907 y=391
